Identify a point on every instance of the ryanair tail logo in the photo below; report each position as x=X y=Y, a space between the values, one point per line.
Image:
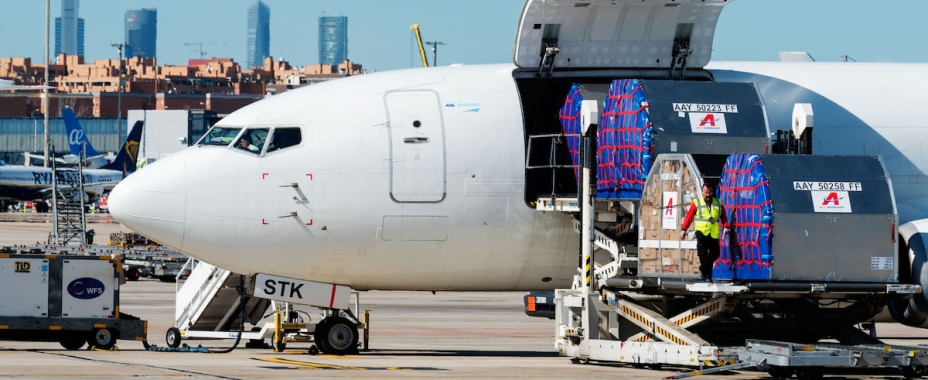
x=132 y=148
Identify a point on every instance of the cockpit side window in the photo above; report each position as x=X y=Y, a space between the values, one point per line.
x=253 y=140
x=284 y=137
x=221 y=136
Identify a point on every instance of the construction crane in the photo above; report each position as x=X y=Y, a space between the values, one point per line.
x=425 y=60
x=198 y=50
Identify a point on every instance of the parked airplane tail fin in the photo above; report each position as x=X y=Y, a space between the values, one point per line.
x=76 y=135
x=126 y=158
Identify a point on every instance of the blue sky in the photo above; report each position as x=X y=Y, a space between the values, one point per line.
x=476 y=31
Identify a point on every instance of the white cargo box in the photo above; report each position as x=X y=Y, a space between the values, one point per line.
x=25 y=284
x=53 y=286
x=88 y=288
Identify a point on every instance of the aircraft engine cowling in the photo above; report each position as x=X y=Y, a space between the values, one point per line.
x=913 y=269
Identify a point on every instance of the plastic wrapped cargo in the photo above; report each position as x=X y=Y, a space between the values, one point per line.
x=570 y=123
x=745 y=194
x=835 y=219
x=643 y=118
x=624 y=142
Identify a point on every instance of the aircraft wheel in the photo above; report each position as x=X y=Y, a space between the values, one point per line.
x=103 y=339
x=337 y=336
x=172 y=337
x=73 y=341
x=319 y=335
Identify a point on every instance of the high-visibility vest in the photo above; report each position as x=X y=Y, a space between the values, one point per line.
x=707 y=217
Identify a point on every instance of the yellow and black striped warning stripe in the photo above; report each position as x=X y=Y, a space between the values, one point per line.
x=586 y=269
x=686 y=318
x=718 y=363
x=698 y=313
x=657 y=329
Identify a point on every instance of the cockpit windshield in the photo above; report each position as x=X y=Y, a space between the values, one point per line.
x=221 y=136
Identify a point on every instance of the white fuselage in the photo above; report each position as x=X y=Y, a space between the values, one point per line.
x=370 y=201
x=29 y=182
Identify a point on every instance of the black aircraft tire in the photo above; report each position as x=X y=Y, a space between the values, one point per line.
x=339 y=336
x=319 y=335
x=172 y=337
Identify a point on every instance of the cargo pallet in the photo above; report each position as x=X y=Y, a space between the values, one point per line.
x=67 y=299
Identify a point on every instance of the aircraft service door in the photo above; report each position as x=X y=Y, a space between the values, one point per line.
x=417 y=146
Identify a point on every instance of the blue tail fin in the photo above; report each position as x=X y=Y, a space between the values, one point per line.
x=126 y=158
x=76 y=135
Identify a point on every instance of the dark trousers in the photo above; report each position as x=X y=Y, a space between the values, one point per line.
x=707 y=249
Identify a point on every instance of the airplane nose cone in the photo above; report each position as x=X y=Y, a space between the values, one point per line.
x=153 y=201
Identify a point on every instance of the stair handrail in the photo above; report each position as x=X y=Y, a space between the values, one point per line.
x=194 y=306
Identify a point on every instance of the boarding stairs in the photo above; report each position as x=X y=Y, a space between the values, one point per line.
x=209 y=300
x=68 y=205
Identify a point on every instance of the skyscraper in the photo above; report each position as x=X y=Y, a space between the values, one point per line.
x=259 y=33
x=141 y=33
x=333 y=40
x=69 y=29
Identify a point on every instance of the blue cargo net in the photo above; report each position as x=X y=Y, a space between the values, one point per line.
x=570 y=122
x=746 y=196
x=624 y=144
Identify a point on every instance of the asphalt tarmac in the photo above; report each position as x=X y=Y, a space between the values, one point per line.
x=413 y=335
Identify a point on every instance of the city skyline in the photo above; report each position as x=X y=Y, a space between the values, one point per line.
x=380 y=36
x=333 y=39
x=259 y=34
x=69 y=29
x=142 y=33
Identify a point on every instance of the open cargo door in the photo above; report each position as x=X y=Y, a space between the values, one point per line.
x=601 y=34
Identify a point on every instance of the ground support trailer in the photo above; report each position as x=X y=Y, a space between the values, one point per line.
x=68 y=299
x=782 y=360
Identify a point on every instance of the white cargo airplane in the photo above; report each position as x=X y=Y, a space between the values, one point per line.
x=416 y=179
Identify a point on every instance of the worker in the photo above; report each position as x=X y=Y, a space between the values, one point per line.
x=88 y=236
x=708 y=213
x=246 y=143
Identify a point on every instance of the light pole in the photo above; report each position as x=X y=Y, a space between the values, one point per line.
x=434 y=45
x=45 y=91
x=119 y=95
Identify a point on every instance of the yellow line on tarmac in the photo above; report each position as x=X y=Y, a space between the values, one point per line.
x=306 y=365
